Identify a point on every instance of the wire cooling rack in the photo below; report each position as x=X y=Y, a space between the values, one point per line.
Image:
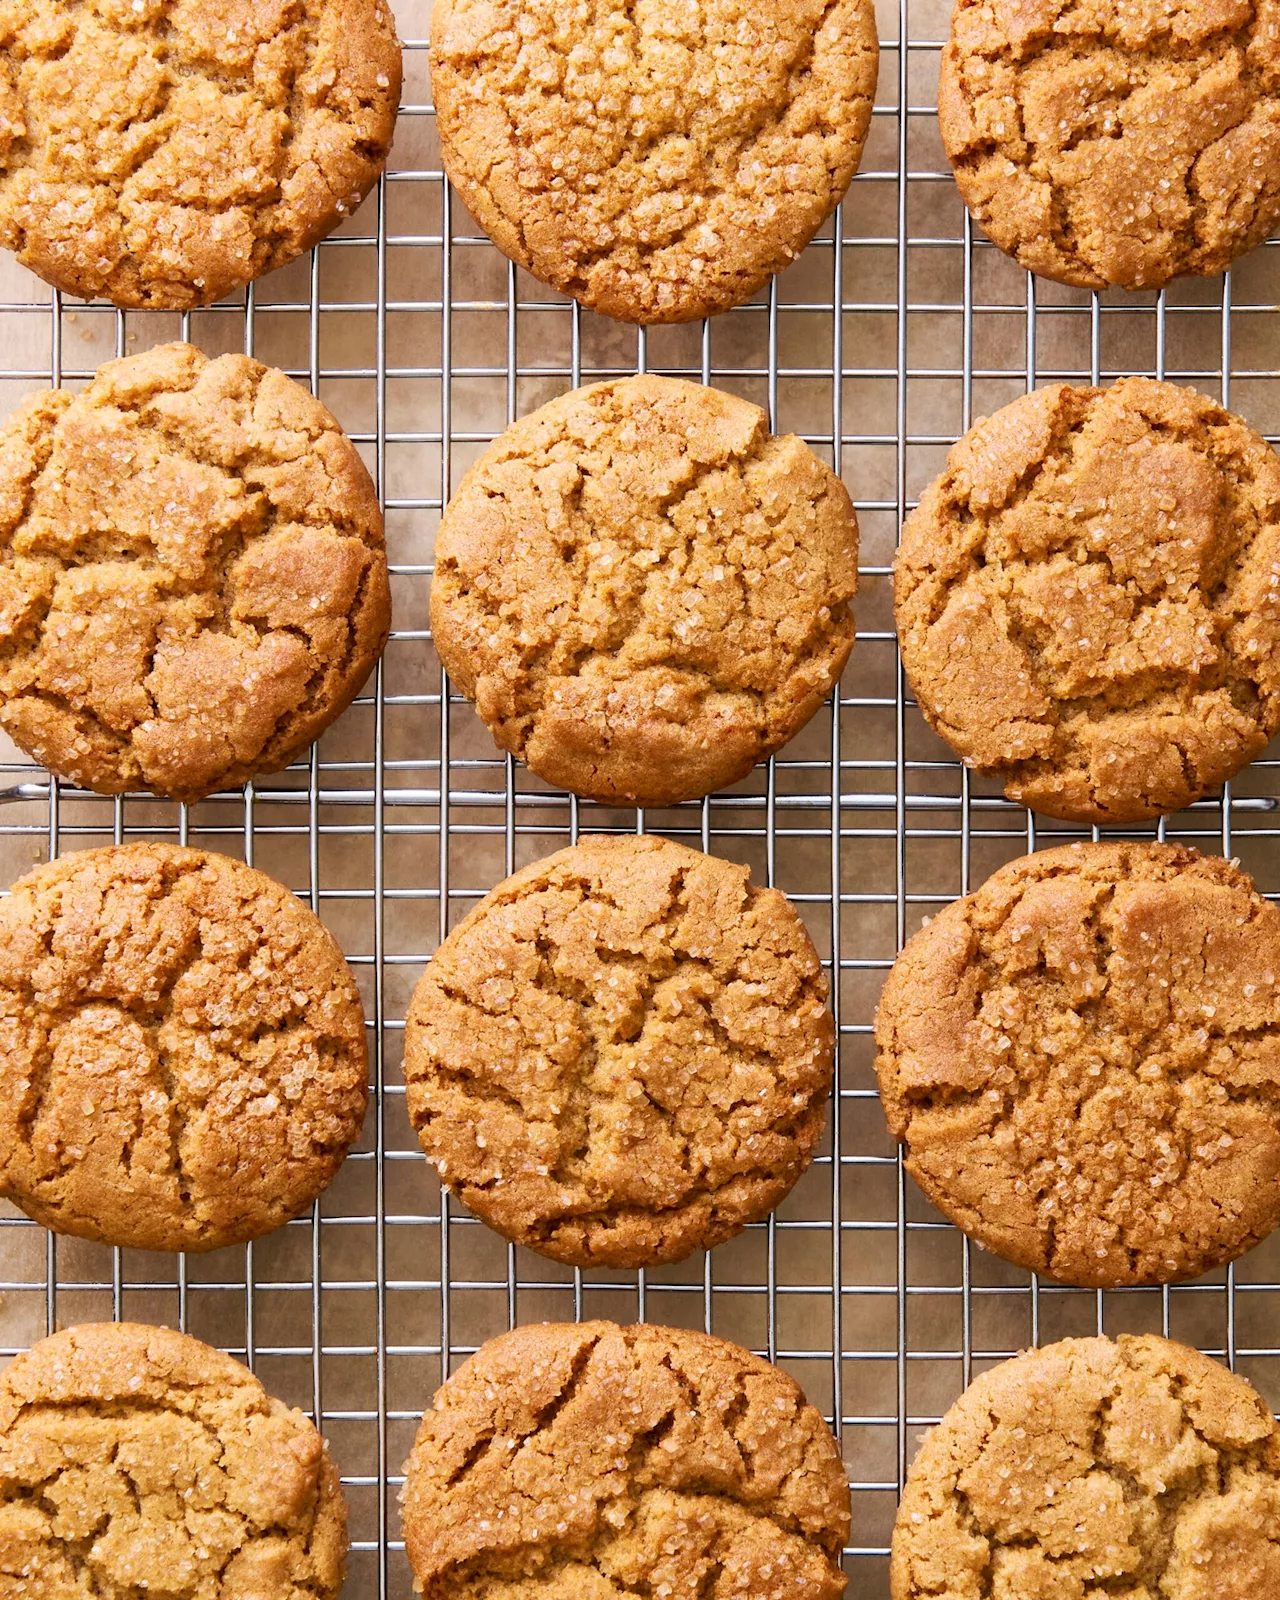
x=894 y=330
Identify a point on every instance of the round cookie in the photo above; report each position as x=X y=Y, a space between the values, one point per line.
x=658 y=163
x=136 y=1460
x=182 y=1053
x=1088 y=599
x=1115 y=143
x=162 y=153
x=576 y=1462
x=623 y=1054
x=1136 y=1468
x=193 y=575
x=1081 y=1061
x=643 y=591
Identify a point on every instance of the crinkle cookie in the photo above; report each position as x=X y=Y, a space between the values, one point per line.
x=1088 y=599
x=589 y=1461
x=162 y=153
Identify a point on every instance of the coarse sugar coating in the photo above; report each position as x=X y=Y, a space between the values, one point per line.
x=1082 y=1060
x=137 y=1461
x=1135 y=1468
x=658 y=161
x=1116 y=142
x=182 y=1052
x=644 y=591
x=162 y=153
x=587 y=1461
x=1088 y=599
x=193 y=574
x=623 y=1054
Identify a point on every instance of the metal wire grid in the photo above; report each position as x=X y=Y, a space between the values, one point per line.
x=879 y=350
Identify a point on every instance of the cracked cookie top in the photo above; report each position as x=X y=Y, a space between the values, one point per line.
x=622 y=1054
x=1083 y=1062
x=569 y=1461
x=182 y=1053
x=645 y=592
x=657 y=162
x=1089 y=1468
x=136 y=1460
x=1116 y=141
x=193 y=577
x=164 y=152
x=1088 y=599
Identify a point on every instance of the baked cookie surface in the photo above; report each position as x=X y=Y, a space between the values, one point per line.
x=1091 y=1467
x=644 y=591
x=1088 y=599
x=1107 y=142
x=623 y=1054
x=193 y=575
x=658 y=163
x=136 y=1460
x=183 y=1062
x=576 y=1462
x=1081 y=1061
x=162 y=153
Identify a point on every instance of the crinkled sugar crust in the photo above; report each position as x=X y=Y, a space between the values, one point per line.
x=193 y=578
x=1137 y=1468
x=623 y=1054
x=594 y=1462
x=658 y=161
x=1083 y=1062
x=645 y=592
x=164 y=152
x=136 y=1461
x=1116 y=141
x=1088 y=599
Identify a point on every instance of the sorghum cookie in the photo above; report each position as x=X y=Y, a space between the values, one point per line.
x=164 y=152
x=568 y=1461
x=1090 y=1467
x=658 y=164
x=182 y=1054
x=1081 y=1061
x=1101 y=142
x=1088 y=599
x=643 y=591
x=622 y=1054
x=193 y=575
x=136 y=1460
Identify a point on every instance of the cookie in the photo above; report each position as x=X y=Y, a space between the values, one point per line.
x=182 y=1054
x=1088 y=599
x=135 y=1460
x=659 y=164
x=1088 y=1468
x=576 y=1462
x=193 y=575
x=1115 y=143
x=1081 y=1061
x=623 y=1054
x=643 y=591
x=162 y=153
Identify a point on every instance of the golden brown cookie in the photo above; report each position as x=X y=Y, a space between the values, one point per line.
x=1083 y=1062
x=623 y=1053
x=1088 y=599
x=1088 y=1468
x=659 y=163
x=582 y=1462
x=1116 y=141
x=182 y=1054
x=193 y=575
x=643 y=591
x=138 y=1461
x=164 y=152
